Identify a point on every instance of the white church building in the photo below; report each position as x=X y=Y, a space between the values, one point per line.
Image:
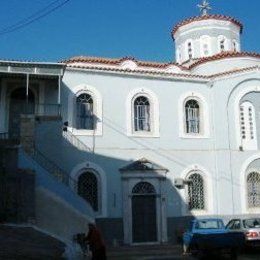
x=142 y=146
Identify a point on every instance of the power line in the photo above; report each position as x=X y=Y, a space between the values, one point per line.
x=24 y=20
x=34 y=17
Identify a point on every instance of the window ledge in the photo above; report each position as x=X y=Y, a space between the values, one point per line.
x=144 y=135
x=84 y=132
x=196 y=212
x=255 y=210
x=187 y=136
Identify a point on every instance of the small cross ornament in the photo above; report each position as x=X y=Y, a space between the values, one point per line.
x=204 y=7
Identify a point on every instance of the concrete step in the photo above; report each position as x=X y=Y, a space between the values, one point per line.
x=27 y=243
x=152 y=250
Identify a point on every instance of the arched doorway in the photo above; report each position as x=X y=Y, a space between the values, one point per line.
x=19 y=104
x=144 y=219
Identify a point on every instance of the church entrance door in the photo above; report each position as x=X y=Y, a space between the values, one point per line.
x=144 y=220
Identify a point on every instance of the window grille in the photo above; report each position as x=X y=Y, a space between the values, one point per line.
x=142 y=114
x=247 y=121
x=253 y=189
x=196 y=192
x=88 y=188
x=85 y=117
x=143 y=188
x=192 y=116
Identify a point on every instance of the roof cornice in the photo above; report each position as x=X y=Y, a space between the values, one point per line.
x=207 y=17
x=110 y=61
x=224 y=55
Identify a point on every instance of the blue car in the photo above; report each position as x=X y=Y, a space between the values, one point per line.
x=208 y=236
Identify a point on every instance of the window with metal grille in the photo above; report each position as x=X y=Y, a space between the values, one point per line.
x=142 y=114
x=192 y=114
x=143 y=188
x=248 y=126
x=88 y=188
x=196 y=192
x=85 y=115
x=253 y=189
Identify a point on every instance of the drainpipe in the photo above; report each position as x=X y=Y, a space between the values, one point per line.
x=27 y=87
x=59 y=88
x=216 y=177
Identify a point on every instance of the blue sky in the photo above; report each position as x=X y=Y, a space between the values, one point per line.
x=112 y=28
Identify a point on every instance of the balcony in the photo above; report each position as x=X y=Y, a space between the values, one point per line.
x=24 y=108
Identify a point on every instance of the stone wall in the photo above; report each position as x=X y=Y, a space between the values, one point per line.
x=27 y=132
x=17 y=189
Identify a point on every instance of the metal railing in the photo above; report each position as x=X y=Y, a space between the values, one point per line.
x=75 y=141
x=38 y=109
x=47 y=109
x=4 y=136
x=50 y=166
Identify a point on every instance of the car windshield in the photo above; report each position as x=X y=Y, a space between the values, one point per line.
x=252 y=223
x=209 y=224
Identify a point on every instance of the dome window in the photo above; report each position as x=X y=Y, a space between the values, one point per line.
x=189 y=50
x=222 y=43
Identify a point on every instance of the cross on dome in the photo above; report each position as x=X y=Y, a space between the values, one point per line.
x=204 y=7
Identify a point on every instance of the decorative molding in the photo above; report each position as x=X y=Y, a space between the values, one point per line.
x=208 y=191
x=243 y=185
x=82 y=167
x=97 y=99
x=155 y=116
x=204 y=115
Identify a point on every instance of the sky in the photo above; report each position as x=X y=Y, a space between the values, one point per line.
x=111 y=28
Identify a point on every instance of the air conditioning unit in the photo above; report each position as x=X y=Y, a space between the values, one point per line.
x=179 y=183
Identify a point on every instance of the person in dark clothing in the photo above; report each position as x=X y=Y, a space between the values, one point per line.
x=96 y=243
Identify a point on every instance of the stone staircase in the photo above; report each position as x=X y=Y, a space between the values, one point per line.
x=17 y=242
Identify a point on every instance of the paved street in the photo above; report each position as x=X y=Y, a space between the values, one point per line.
x=247 y=256
x=167 y=253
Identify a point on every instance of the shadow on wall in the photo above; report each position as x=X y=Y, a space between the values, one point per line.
x=131 y=205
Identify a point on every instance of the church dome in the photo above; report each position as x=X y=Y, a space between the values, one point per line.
x=206 y=35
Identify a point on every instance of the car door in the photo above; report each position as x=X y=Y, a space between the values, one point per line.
x=235 y=226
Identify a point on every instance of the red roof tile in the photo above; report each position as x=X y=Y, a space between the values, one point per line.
x=109 y=61
x=223 y=55
x=207 y=17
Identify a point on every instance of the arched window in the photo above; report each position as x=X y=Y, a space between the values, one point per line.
x=253 y=189
x=190 y=50
x=205 y=46
x=192 y=116
x=88 y=189
x=178 y=55
x=196 y=192
x=248 y=126
x=234 y=42
x=142 y=114
x=222 y=43
x=85 y=113
x=143 y=188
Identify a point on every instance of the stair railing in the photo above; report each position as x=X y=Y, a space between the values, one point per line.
x=75 y=141
x=50 y=166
